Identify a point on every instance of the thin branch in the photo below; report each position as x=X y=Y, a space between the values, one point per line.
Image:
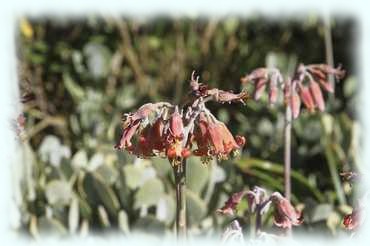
x=329 y=49
x=129 y=52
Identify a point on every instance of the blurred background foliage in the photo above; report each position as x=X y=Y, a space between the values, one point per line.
x=78 y=76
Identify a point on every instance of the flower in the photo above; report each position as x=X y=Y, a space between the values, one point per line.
x=175 y=149
x=260 y=88
x=127 y=134
x=231 y=203
x=176 y=125
x=214 y=138
x=292 y=98
x=201 y=136
x=131 y=125
x=353 y=220
x=317 y=95
x=306 y=97
x=151 y=140
x=285 y=214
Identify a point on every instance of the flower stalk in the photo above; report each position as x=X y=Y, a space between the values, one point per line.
x=287 y=151
x=180 y=185
x=287 y=156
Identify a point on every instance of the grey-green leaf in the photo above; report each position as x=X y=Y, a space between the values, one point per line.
x=321 y=212
x=106 y=195
x=197 y=174
x=103 y=216
x=58 y=192
x=123 y=222
x=79 y=159
x=73 y=88
x=166 y=209
x=132 y=175
x=150 y=193
x=196 y=208
x=73 y=215
x=108 y=173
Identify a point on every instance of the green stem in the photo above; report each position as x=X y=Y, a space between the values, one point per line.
x=334 y=174
x=180 y=178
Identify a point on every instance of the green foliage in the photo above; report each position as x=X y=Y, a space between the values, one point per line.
x=74 y=181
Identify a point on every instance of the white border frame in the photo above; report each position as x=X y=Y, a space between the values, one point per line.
x=9 y=94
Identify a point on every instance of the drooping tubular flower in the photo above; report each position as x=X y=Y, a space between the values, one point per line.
x=175 y=148
x=151 y=140
x=132 y=123
x=305 y=86
x=213 y=138
x=162 y=129
x=263 y=77
x=285 y=214
x=231 y=203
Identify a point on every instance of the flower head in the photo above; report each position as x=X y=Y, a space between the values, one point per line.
x=305 y=86
x=161 y=129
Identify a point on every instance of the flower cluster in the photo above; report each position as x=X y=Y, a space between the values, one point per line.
x=161 y=129
x=285 y=215
x=305 y=86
